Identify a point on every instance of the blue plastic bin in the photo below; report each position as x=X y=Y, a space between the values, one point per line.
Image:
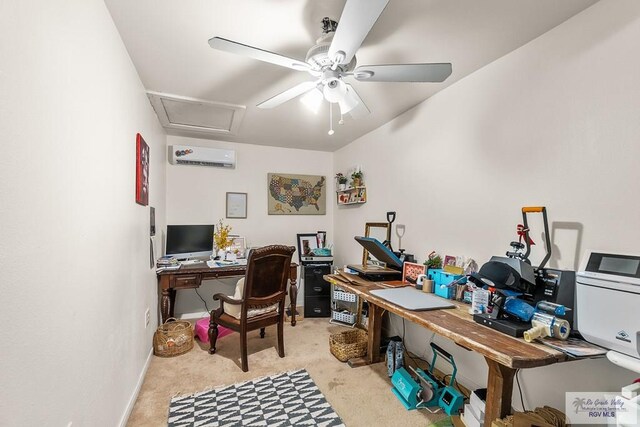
x=441 y=279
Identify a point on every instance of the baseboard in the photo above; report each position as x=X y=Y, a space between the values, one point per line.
x=197 y=315
x=134 y=396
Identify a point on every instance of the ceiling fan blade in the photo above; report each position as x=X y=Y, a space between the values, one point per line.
x=359 y=110
x=288 y=94
x=403 y=73
x=256 y=53
x=358 y=16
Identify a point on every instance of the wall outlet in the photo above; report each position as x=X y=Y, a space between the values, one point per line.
x=147 y=318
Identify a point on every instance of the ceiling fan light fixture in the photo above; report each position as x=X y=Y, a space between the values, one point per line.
x=312 y=100
x=334 y=91
x=348 y=101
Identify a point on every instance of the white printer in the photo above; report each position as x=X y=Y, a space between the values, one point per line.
x=607 y=304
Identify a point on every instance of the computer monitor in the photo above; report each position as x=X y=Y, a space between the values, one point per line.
x=189 y=241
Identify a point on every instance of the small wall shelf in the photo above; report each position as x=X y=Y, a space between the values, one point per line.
x=352 y=196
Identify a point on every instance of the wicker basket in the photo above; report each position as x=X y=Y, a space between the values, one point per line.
x=173 y=338
x=348 y=344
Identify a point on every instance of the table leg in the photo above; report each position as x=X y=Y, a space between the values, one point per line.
x=499 y=389
x=172 y=305
x=165 y=298
x=374 y=331
x=293 y=293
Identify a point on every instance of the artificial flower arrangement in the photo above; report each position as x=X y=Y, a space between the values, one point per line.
x=221 y=236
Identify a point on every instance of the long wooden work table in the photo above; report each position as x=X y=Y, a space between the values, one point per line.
x=191 y=276
x=503 y=354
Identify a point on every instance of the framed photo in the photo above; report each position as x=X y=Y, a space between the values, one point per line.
x=307 y=242
x=237 y=205
x=142 y=171
x=296 y=194
x=449 y=260
x=238 y=246
x=411 y=271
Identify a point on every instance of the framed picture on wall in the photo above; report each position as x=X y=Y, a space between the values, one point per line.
x=296 y=194
x=237 y=205
x=142 y=171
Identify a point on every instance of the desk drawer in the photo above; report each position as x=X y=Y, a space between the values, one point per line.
x=317 y=306
x=317 y=289
x=185 y=282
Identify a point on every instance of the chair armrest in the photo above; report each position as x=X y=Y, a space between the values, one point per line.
x=227 y=299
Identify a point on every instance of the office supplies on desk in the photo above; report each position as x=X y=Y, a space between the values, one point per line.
x=412 y=299
x=224 y=263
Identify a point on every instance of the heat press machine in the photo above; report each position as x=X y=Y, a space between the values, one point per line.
x=517 y=286
x=392 y=269
x=425 y=390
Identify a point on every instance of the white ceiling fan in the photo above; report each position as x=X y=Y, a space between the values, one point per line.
x=333 y=58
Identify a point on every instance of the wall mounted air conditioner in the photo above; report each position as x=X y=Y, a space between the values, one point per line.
x=201 y=156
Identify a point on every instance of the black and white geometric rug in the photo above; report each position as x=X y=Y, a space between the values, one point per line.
x=288 y=399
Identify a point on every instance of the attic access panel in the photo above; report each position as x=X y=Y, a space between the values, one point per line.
x=199 y=115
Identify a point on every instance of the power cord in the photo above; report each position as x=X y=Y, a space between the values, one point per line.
x=520 y=390
x=205 y=303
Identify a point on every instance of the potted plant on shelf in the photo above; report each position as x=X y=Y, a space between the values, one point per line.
x=342 y=181
x=356 y=178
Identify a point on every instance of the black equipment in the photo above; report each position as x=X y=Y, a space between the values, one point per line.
x=529 y=285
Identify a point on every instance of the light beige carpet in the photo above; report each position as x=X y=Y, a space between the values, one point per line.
x=361 y=396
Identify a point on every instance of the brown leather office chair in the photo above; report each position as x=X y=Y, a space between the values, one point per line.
x=260 y=304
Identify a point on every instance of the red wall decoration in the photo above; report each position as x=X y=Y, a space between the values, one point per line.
x=142 y=171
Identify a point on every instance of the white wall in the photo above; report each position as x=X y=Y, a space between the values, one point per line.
x=553 y=123
x=74 y=255
x=197 y=195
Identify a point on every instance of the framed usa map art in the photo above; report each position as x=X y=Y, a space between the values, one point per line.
x=296 y=194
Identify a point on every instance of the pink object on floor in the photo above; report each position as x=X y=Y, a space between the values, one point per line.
x=202 y=330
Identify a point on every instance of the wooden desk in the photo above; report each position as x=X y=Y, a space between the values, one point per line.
x=503 y=354
x=191 y=276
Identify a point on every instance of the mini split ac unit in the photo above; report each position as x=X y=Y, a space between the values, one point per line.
x=202 y=156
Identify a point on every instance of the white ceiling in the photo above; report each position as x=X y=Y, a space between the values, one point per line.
x=167 y=41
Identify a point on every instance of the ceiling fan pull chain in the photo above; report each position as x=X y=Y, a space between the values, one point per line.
x=330 y=119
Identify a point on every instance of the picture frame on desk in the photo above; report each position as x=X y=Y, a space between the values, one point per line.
x=411 y=271
x=236 y=205
x=307 y=242
x=238 y=246
x=449 y=260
